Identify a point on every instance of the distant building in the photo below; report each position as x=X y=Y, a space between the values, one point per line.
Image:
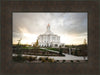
x=49 y=39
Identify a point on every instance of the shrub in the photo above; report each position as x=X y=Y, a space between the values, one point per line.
x=50 y=60
x=57 y=61
x=34 y=58
x=63 y=61
x=78 y=61
x=43 y=60
x=71 y=61
x=46 y=58
x=31 y=58
x=40 y=58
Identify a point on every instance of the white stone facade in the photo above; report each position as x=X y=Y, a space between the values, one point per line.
x=48 y=39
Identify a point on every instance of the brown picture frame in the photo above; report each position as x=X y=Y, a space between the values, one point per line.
x=9 y=67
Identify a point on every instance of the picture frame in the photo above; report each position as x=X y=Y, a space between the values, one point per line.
x=9 y=67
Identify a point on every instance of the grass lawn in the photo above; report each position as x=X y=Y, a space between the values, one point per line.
x=43 y=49
x=27 y=48
x=55 y=49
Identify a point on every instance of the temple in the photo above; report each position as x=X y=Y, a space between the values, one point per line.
x=49 y=39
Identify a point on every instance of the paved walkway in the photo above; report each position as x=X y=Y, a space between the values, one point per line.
x=66 y=57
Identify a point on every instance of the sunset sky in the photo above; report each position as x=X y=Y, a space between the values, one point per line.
x=70 y=26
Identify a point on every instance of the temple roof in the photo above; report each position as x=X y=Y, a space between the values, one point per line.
x=49 y=32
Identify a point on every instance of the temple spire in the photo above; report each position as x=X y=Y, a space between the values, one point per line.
x=48 y=28
x=48 y=24
x=48 y=31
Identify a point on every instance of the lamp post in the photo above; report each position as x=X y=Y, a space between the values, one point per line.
x=18 y=42
x=70 y=51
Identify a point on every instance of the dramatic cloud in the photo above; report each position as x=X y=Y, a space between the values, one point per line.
x=70 y=26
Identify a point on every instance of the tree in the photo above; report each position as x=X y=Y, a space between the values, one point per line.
x=60 y=50
x=18 y=46
x=36 y=45
x=85 y=42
